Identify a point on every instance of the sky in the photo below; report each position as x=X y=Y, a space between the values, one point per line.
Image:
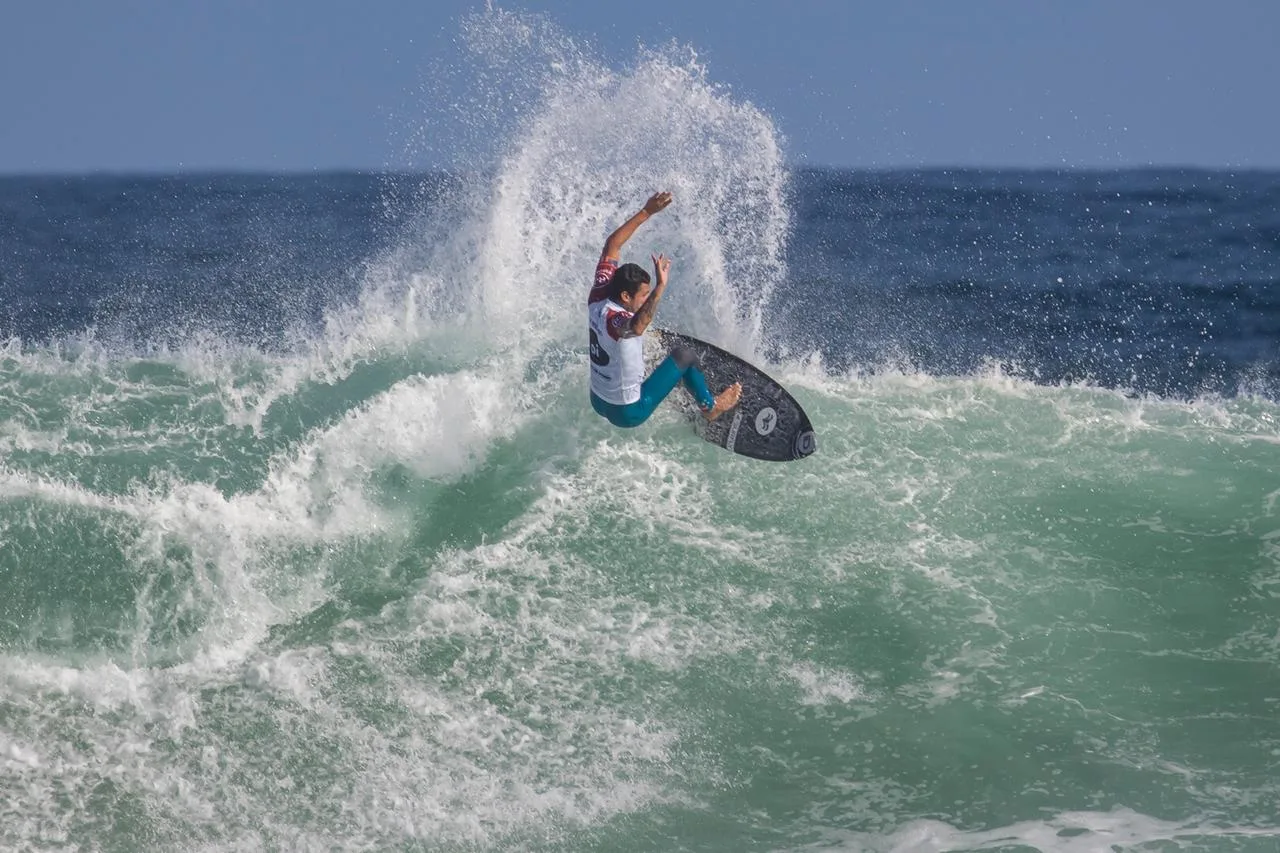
x=254 y=85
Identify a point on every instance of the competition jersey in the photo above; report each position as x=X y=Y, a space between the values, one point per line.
x=617 y=356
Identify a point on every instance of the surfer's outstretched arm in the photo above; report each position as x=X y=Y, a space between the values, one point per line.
x=613 y=245
x=643 y=317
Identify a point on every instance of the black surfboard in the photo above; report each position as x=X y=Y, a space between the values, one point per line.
x=766 y=424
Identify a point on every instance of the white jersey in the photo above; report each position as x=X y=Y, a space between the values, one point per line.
x=617 y=360
x=617 y=356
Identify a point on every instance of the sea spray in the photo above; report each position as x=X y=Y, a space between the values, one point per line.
x=588 y=143
x=388 y=584
x=306 y=591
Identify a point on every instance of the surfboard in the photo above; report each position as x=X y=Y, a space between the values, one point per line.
x=766 y=424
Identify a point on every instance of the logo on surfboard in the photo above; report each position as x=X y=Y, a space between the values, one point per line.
x=805 y=444
x=766 y=420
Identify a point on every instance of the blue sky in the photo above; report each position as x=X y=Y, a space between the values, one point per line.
x=144 y=85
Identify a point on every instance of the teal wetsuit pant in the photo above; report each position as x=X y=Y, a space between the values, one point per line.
x=681 y=364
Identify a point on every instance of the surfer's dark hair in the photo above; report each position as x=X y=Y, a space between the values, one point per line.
x=627 y=279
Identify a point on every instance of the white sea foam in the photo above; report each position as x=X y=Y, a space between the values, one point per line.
x=519 y=683
x=1067 y=832
x=823 y=685
x=486 y=290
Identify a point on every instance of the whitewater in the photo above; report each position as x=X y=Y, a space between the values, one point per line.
x=365 y=572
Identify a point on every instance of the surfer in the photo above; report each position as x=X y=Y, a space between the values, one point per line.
x=619 y=309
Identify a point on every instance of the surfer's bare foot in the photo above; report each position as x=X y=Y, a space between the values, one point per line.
x=725 y=400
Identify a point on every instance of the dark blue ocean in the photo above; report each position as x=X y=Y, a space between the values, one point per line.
x=310 y=541
x=1159 y=281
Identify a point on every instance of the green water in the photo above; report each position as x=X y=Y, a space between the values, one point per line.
x=382 y=612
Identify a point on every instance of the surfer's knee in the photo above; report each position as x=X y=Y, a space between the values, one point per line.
x=684 y=357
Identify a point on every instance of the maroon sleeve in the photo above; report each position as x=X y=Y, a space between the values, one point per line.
x=618 y=324
x=604 y=274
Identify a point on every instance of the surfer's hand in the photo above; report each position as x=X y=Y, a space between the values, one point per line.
x=661 y=267
x=657 y=202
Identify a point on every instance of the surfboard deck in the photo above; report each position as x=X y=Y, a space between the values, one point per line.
x=766 y=424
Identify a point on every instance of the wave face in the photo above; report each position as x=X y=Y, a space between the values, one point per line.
x=309 y=541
